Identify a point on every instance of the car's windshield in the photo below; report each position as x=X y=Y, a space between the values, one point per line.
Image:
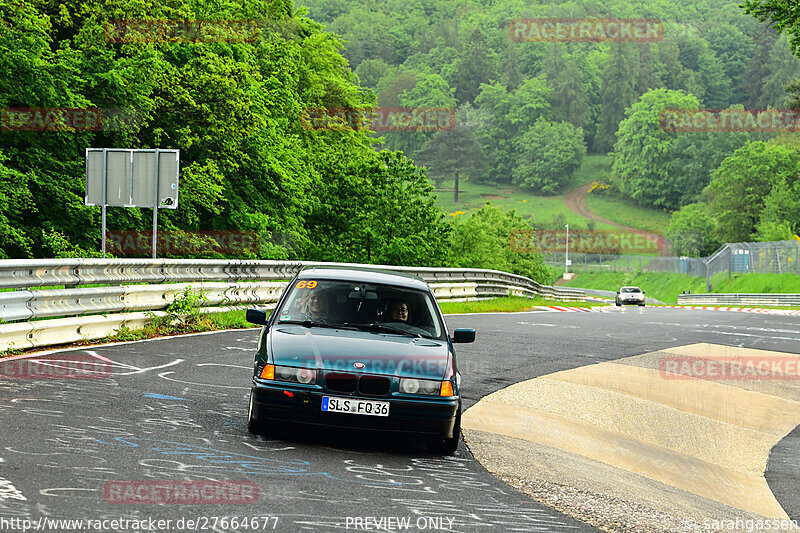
x=631 y=289
x=358 y=305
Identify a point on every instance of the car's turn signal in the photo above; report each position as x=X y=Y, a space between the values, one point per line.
x=447 y=389
x=268 y=372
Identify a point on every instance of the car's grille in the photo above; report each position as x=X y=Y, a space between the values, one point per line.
x=367 y=385
x=345 y=383
x=374 y=385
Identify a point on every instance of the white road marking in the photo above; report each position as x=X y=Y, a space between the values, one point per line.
x=222 y=364
x=9 y=492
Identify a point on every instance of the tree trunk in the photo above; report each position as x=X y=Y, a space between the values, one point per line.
x=455 y=191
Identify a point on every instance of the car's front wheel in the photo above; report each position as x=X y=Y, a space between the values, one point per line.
x=253 y=425
x=450 y=445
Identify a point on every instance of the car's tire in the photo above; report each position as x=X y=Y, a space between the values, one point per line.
x=641 y=305
x=617 y=303
x=253 y=425
x=450 y=445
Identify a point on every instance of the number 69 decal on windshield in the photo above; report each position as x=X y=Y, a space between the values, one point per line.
x=310 y=284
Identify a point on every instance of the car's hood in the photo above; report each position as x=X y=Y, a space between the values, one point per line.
x=380 y=353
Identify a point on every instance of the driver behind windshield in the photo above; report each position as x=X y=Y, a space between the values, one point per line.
x=310 y=306
x=397 y=311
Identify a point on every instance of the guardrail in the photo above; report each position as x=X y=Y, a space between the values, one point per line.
x=140 y=289
x=740 y=299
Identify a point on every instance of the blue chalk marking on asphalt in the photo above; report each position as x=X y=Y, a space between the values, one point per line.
x=164 y=397
x=235 y=462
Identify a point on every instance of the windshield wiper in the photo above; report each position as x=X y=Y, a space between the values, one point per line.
x=312 y=324
x=377 y=327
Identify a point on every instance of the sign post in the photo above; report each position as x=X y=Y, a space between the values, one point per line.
x=126 y=177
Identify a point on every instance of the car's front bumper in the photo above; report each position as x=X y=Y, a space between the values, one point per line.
x=282 y=404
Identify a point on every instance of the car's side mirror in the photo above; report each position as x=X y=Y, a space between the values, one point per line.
x=617 y=292
x=644 y=292
x=256 y=316
x=464 y=335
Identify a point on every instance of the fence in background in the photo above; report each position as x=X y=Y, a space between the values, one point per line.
x=779 y=257
x=132 y=291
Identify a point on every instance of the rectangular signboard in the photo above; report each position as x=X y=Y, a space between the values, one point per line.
x=130 y=177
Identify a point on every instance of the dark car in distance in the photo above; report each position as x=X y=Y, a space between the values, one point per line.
x=359 y=349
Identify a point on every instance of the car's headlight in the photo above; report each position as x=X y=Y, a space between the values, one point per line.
x=420 y=386
x=306 y=376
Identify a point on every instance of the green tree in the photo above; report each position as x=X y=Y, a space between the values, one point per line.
x=568 y=99
x=477 y=64
x=643 y=152
x=455 y=153
x=511 y=113
x=691 y=231
x=740 y=186
x=548 y=154
x=481 y=240
x=370 y=72
x=781 y=15
x=782 y=69
x=617 y=93
x=780 y=218
x=377 y=210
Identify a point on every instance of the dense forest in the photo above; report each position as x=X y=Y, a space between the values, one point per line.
x=526 y=114
x=529 y=111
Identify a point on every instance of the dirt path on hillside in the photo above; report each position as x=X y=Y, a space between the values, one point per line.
x=575 y=201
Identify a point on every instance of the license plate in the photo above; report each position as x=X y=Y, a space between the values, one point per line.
x=356 y=407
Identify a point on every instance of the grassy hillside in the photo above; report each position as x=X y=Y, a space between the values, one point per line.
x=627 y=213
x=666 y=287
x=473 y=196
x=543 y=209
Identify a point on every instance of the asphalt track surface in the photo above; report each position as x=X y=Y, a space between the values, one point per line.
x=175 y=409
